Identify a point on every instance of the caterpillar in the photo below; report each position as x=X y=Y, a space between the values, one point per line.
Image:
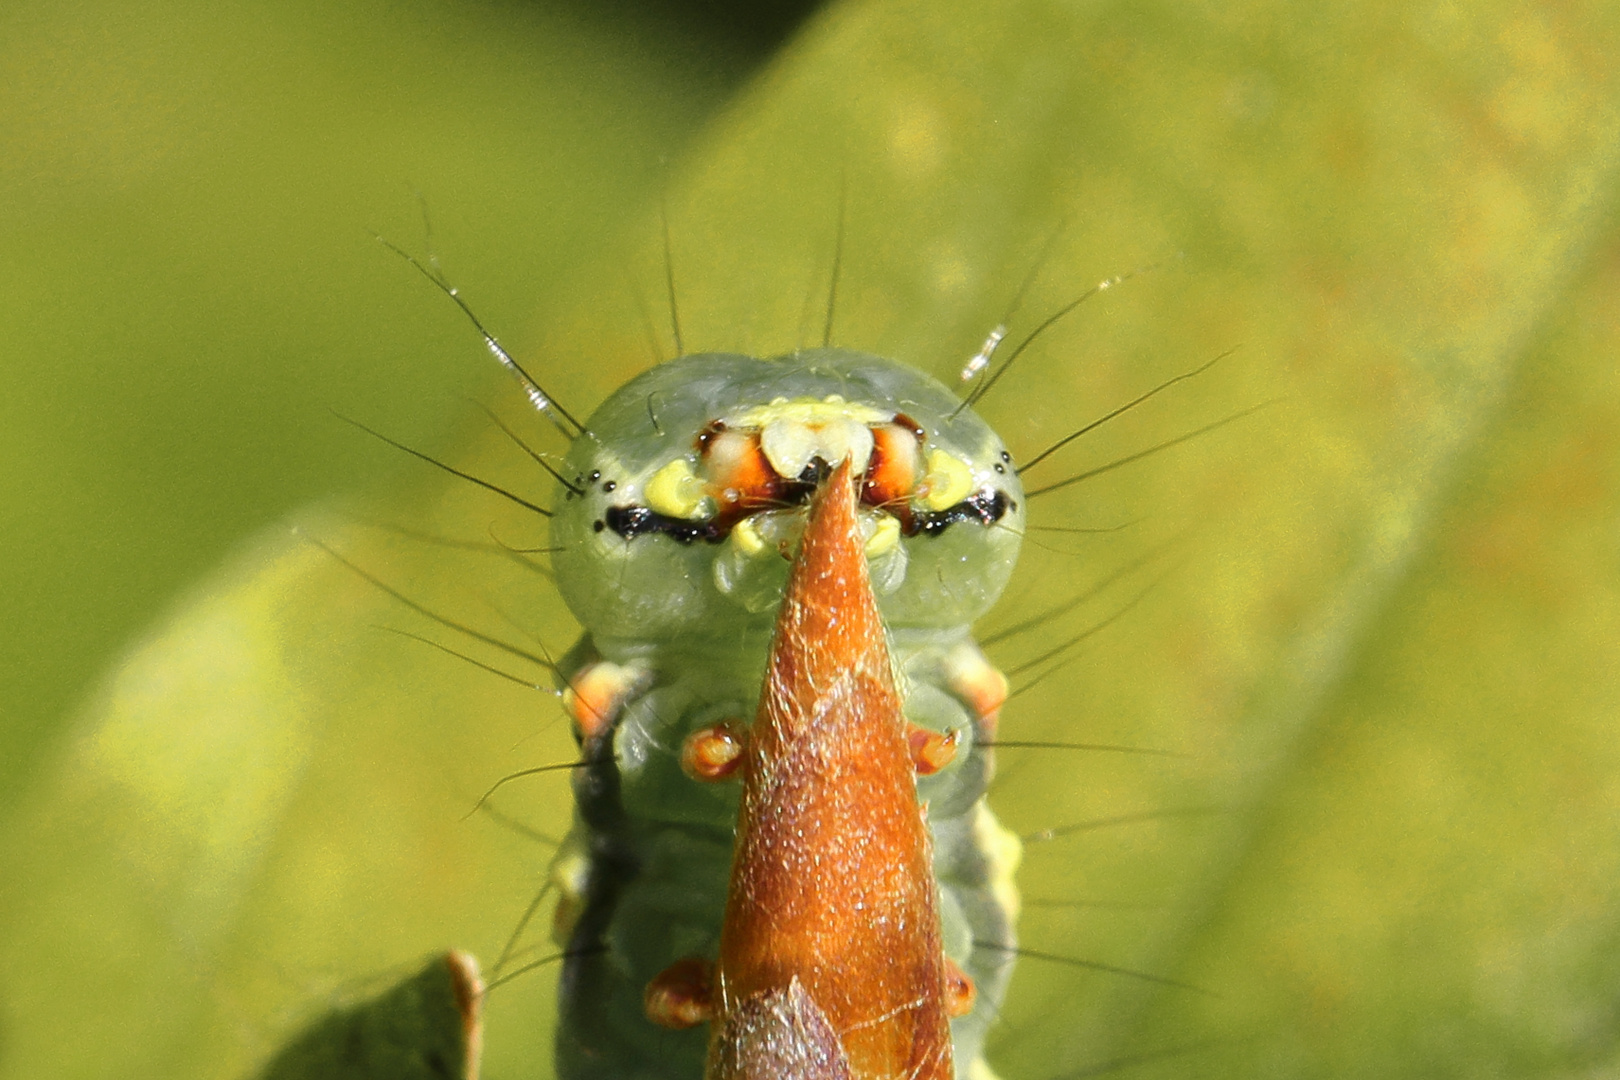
x=682 y=527
x=675 y=507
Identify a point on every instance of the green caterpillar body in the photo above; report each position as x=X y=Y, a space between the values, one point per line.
x=679 y=504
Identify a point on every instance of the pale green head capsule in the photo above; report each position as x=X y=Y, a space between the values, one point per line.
x=690 y=487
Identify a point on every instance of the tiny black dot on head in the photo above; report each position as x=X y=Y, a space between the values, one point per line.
x=1006 y=456
x=1000 y=468
x=596 y=474
x=598 y=525
x=609 y=485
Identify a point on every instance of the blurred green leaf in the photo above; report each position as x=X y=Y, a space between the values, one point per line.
x=1387 y=641
x=424 y=1028
x=186 y=191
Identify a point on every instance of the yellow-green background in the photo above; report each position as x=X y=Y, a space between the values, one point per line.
x=1385 y=630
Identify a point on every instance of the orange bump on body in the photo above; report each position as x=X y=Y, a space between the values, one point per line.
x=976 y=681
x=712 y=753
x=960 y=992
x=931 y=750
x=682 y=995
x=595 y=695
x=832 y=882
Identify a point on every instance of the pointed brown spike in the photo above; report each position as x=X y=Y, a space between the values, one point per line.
x=832 y=884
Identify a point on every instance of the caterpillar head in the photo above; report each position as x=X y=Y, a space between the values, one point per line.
x=690 y=488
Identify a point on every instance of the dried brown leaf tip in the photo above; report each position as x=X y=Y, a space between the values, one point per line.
x=831 y=927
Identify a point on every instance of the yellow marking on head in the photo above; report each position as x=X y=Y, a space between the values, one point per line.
x=948 y=482
x=794 y=433
x=676 y=491
x=745 y=534
x=829 y=409
x=885 y=535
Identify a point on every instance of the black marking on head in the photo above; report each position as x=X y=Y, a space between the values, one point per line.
x=633 y=521
x=985 y=507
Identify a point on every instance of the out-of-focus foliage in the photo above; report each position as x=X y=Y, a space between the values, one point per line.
x=188 y=285
x=425 y=1028
x=1382 y=625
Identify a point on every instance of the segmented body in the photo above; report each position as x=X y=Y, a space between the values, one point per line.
x=670 y=540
